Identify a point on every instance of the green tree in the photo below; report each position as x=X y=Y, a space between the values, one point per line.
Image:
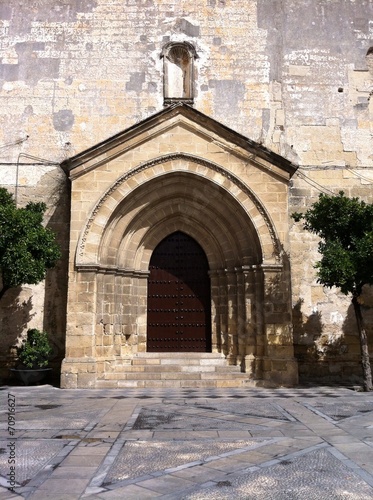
x=345 y=228
x=27 y=248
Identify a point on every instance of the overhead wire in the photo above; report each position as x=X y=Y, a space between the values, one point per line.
x=314 y=184
x=357 y=174
x=42 y=161
x=325 y=190
x=9 y=144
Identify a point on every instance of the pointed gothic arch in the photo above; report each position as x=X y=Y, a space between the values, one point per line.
x=105 y=213
x=195 y=197
x=122 y=209
x=179 y=297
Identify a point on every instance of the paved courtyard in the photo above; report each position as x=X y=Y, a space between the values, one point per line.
x=197 y=444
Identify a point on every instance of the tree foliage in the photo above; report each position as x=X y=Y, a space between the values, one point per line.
x=27 y=248
x=345 y=226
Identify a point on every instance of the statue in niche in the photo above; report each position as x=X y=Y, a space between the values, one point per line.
x=178 y=72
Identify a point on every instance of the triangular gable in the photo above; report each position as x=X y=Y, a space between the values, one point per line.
x=119 y=143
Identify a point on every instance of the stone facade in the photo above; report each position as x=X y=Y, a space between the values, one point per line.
x=278 y=110
x=179 y=170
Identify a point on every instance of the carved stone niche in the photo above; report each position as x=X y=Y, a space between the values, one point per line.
x=178 y=78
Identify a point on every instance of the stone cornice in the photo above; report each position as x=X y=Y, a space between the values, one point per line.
x=116 y=145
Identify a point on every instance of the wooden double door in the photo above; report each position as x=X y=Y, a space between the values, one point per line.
x=179 y=304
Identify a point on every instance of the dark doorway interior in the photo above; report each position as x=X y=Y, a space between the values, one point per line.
x=179 y=305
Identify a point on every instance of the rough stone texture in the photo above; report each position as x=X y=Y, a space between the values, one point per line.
x=79 y=443
x=292 y=75
x=138 y=458
x=44 y=305
x=291 y=479
x=129 y=193
x=33 y=456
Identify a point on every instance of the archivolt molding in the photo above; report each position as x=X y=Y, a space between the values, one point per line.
x=168 y=158
x=195 y=229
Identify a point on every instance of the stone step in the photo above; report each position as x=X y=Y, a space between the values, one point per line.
x=172 y=375
x=185 y=355
x=170 y=384
x=178 y=358
x=178 y=368
x=175 y=383
x=161 y=370
x=160 y=376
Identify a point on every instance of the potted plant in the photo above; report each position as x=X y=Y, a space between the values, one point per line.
x=33 y=354
x=27 y=250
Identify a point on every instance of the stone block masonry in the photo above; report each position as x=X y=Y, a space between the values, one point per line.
x=293 y=76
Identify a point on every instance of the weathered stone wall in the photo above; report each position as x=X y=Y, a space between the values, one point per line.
x=180 y=171
x=291 y=74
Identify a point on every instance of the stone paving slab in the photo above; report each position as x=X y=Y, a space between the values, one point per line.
x=139 y=458
x=165 y=418
x=312 y=476
x=245 y=407
x=340 y=409
x=188 y=443
x=31 y=456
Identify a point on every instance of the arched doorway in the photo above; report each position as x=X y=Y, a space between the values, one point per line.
x=179 y=304
x=227 y=208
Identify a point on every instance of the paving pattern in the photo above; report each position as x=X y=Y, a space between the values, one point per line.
x=246 y=407
x=31 y=457
x=313 y=476
x=338 y=410
x=278 y=444
x=168 y=419
x=139 y=458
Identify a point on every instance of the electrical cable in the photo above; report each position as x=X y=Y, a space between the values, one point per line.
x=42 y=161
x=9 y=144
x=359 y=175
x=315 y=184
